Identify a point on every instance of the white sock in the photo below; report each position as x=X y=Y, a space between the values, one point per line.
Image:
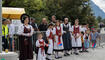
x=56 y=54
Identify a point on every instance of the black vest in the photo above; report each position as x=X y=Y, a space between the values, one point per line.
x=66 y=27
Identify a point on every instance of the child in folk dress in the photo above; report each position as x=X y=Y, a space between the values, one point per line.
x=76 y=39
x=40 y=43
x=93 y=37
x=50 y=36
x=86 y=41
x=58 y=43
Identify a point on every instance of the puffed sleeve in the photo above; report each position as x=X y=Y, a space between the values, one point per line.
x=62 y=27
x=81 y=29
x=47 y=33
x=70 y=28
x=54 y=31
x=20 y=30
x=37 y=44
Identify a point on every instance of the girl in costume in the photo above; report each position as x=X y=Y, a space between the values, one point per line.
x=50 y=38
x=94 y=35
x=40 y=43
x=76 y=39
x=87 y=40
x=58 y=43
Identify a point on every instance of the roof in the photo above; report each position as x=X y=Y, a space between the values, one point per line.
x=12 y=13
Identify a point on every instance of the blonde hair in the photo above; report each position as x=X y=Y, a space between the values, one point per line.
x=38 y=35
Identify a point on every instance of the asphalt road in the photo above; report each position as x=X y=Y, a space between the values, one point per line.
x=96 y=54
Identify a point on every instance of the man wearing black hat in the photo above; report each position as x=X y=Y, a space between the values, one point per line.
x=4 y=34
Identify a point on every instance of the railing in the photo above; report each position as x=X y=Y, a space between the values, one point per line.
x=100 y=41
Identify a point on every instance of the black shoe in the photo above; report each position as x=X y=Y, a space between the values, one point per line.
x=60 y=57
x=71 y=52
x=56 y=57
x=76 y=53
x=81 y=51
x=47 y=58
x=86 y=51
x=65 y=54
x=68 y=54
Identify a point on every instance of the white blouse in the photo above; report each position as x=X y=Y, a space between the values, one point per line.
x=69 y=24
x=21 y=30
x=80 y=29
x=38 y=44
x=54 y=31
x=48 y=32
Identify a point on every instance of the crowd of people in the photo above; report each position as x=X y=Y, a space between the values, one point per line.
x=60 y=37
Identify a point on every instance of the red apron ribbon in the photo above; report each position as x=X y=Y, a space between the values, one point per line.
x=42 y=47
x=58 y=33
x=76 y=30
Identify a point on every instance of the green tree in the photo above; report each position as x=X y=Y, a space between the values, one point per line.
x=99 y=19
x=61 y=8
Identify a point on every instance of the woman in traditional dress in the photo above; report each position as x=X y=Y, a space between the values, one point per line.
x=76 y=38
x=66 y=37
x=58 y=43
x=25 y=44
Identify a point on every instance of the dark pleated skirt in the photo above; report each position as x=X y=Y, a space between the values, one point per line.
x=26 y=51
x=67 y=41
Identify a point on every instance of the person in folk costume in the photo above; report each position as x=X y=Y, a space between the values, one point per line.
x=40 y=43
x=58 y=43
x=50 y=38
x=25 y=33
x=86 y=41
x=93 y=37
x=76 y=38
x=66 y=37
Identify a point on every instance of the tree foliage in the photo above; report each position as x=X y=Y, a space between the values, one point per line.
x=61 y=8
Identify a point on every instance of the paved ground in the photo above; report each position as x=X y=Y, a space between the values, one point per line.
x=97 y=54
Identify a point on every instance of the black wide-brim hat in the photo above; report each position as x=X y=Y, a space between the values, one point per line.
x=23 y=16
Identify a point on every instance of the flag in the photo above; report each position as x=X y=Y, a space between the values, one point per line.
x=59 y=44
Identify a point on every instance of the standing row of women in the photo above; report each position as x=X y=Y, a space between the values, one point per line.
x=60 y=37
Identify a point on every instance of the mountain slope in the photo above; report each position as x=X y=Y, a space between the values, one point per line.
x=97 y=8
